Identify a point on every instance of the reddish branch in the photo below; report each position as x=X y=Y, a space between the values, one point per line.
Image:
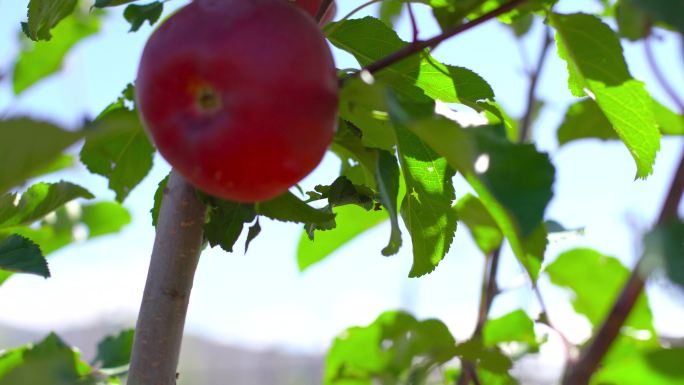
x=420 y=45
x=323 y=9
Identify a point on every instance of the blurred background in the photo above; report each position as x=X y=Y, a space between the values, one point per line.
x=254 y=318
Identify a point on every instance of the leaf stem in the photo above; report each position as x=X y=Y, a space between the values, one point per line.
x=177 y=247
x=526 y=124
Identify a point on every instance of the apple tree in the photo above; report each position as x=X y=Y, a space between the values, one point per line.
x=242 y=98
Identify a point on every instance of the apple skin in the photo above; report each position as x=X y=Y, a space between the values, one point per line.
x=240 y=97
x=311 y=7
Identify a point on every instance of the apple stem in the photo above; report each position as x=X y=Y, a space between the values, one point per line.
x=175 y=255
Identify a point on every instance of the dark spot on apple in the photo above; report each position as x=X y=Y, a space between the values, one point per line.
x=208 y=100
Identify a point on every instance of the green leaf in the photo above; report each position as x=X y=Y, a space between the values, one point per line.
x=253 y=232
x=652 y=367
x=584 y=119
x=225 y=222
x=43 y=15
x=632 y=23
x=28 y=146
x=119 y=150
x=664 y=249
x=387 y=175
x=513 y=181
x=288 y=208
x=669 y=122
x=390 y=11
x=39 y=60
x=363 y=105
x=426 y=208
x=438 y=81
x=670 y=12
x=351 y=221
x=343 y=192
x=104 y=218
x=110 y=3
x=20 y=255
x=597 y=69
x=488 y=358
x=158 y=197
x=481 y=224
x=49 y=362
x=358 y=161
x=516 y=326
x=115 y=351
x=136 y=15
x=596 y=280
x=390 y=348
x=38 y=201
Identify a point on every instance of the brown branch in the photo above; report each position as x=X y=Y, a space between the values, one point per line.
x=322 y=10
x=660 y=77
x=414 y=24
x=526 y=123
x=175 y=255
x=589 y=361
x=420 y=45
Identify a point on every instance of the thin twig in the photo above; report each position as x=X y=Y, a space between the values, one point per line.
x=420 y=45
x=323 y=9
x=660 y=77
x=414 y=25
x=526 y=124
x=334 y=27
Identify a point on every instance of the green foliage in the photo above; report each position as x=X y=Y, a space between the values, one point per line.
x=43 y=15
x=516 y=326
x=41 y=59
x=19 y=254
x=596 y=279
x=597 y=69
x=118 y=148
x=426 y=207
x=225 y=221
x=670 y=12
x=26 y=155
x=139 y=14
x=387 y=350
x=115 y=351
x=38 y=201
x=664 y=250
x=584 y=119
x=513 y=181
x=49 y=362
x=158 y=196
x=387 y=175
x=481 y=224
x=351 y=220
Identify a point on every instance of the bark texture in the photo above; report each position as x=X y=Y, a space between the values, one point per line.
x=175 y=255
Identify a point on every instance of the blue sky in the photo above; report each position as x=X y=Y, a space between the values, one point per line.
x=260 y=299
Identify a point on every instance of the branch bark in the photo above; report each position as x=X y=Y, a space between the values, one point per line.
x=589 y=361
x=175 y=255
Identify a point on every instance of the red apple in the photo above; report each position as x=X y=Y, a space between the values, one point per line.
x=240 y=97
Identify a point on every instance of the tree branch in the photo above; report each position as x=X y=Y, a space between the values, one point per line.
x=420 y=45
x=322 y=10
x=589 y=361
x=175 y=255
x=591 y=358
